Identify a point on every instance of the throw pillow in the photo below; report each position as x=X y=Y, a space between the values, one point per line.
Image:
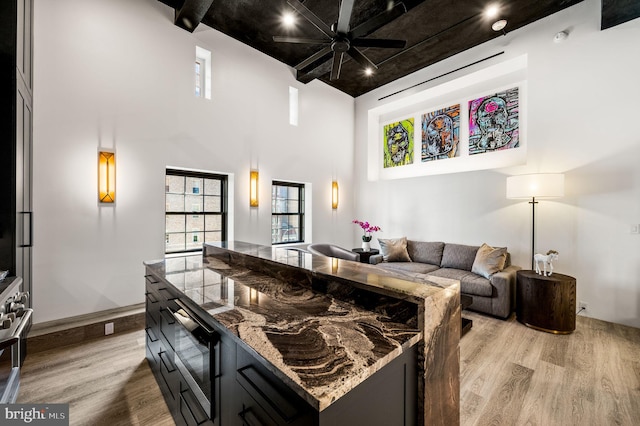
x=394 y=250
x=489 y=260
x=458 y=256
x=425 y=252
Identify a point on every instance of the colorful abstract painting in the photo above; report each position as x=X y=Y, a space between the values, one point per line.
x=494 y=122
x=441 y=133
x=398 y=143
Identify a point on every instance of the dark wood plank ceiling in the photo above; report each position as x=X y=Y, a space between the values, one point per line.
x=434 y=30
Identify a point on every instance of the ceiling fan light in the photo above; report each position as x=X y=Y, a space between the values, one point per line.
x=499 y=25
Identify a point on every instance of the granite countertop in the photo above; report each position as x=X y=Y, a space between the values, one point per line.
x=324 y=325
x=321 y=345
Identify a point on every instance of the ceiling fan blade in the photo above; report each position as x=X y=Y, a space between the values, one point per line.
x=285 y=39
x=379 y=42
x=377 y=21
x=344 y=17
x=337 y=64
x=311 y=17
x=313 y=58
x=361 y=59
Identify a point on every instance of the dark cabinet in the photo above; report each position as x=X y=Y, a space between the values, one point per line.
x=16 y=117
x=243 y=389
x=177 y=388
x=263 y=399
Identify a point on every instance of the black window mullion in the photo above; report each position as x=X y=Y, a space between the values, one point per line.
x=201 y=194
x=300 y=210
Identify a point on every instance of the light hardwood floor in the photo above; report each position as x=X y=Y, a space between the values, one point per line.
x=513 y=375
x=510 y=375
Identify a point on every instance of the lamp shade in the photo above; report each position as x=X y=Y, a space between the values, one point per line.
x=542 y=185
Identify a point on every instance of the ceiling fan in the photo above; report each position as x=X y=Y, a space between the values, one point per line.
x=342 y=39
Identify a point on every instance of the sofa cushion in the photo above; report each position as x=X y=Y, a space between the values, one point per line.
x=459 y=256
x=470 y=283
x=394 y=249
x=489 y=260
x=425 y=252
x=413 y=267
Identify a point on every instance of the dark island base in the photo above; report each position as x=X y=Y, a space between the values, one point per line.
x=245 y=392
x=465 y=302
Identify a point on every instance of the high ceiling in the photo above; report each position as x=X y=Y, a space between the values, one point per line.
x=433 y=29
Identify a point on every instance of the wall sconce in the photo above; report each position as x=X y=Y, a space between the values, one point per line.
x=253 y=188
x=106 y=177
x=334 y=195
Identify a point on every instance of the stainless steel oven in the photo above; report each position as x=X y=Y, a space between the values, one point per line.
x=195 y=355
x=15 y=323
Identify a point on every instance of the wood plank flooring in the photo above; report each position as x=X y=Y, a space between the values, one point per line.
x=510 y=375
x=513 y=375
x=105 y=381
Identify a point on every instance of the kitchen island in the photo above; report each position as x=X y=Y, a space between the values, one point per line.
x=295 y=338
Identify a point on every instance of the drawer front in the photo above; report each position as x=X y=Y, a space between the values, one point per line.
x=153 y=347
x=167 y=326
x=189 y=408
x=152 y=284
x=266 y=397
x=169 y=373
x=153 y=309
x=251 y=413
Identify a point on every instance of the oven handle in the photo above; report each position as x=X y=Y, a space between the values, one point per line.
x=190 y=316
x=25 y=320
x=8 y=342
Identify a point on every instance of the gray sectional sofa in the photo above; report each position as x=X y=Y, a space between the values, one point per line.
x=494 y=295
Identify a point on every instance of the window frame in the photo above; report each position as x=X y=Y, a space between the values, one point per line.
x=199 y=71
x=224 y=182
x=300 y=214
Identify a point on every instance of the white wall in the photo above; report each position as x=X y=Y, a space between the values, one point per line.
x=582 y=113
x=118 y=74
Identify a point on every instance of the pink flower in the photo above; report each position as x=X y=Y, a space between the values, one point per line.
x=367 y=227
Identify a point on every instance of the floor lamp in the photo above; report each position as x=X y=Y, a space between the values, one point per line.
x=542 y=185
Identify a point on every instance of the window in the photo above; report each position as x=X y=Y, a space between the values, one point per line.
x=199 y=77
x=293 y=106
x=287 y=212
x=195 y=210
x=203 y=73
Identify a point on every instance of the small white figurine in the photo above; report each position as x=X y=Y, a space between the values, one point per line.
x=546 y=260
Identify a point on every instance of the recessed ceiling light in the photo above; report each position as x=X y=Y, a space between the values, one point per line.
x=491 y=11
x=368 y=71
x=499 y=25
x=288 y=19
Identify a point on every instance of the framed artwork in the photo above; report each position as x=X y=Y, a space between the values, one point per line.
x=441 y=134
x=494 y=122
x=398 y=143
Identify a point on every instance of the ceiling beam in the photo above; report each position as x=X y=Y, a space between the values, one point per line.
x=191 y=13
x=615 y=12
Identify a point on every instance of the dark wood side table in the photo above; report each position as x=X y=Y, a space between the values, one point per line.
x=546 y=303
x=365 y=255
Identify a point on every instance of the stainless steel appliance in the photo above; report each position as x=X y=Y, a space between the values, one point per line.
x=195 y=355
x=15 y=323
